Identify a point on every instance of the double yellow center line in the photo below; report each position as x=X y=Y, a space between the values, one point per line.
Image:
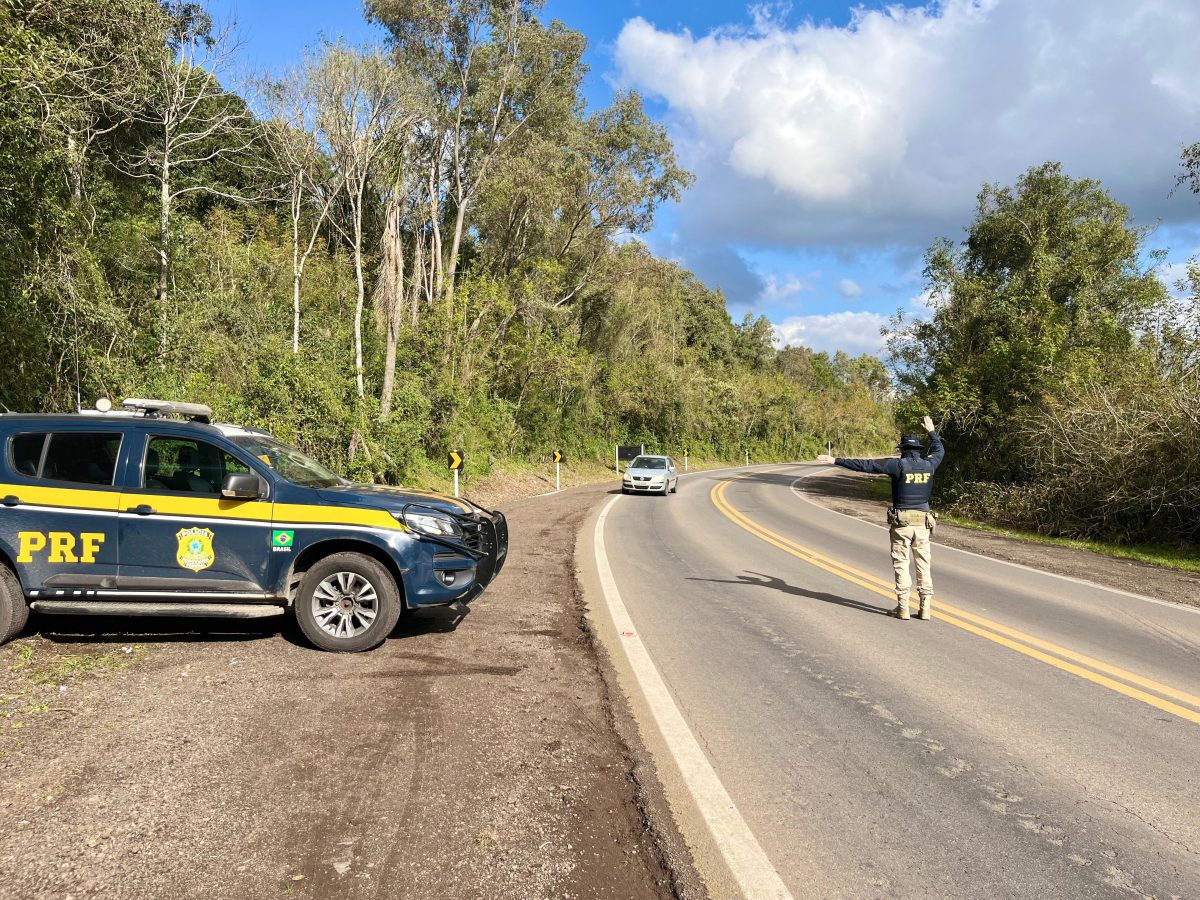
x=1180 y=703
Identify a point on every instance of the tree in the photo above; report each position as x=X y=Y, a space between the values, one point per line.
x=755 y=342
x=398 y=289
x=309 y=184
x=1190 y=176
x=1047 y=292
x=195 y=123
x=576 y=184
x=496 y=70
x=93 y=73
x=71 y=73
x=364 y=107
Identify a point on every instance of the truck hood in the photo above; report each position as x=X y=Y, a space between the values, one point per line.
x=381 y=496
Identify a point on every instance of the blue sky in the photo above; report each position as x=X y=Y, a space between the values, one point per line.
x=832 y=143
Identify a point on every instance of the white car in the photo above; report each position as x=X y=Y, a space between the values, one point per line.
x=650 y=475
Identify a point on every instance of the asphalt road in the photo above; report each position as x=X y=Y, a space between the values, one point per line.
x=1039 y=738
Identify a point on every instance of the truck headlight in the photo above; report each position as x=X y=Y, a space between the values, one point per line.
x=434 y=524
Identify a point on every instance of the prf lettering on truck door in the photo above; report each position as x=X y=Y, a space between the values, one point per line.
x=60 y=546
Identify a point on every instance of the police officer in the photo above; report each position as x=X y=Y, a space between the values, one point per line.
x=909 y=517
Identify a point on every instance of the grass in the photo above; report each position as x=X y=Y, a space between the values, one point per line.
x=1181 y=559
x=60 y=668
x=37 y=669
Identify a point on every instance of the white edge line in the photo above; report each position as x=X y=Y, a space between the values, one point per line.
x=744 y=856
x=1004 y=562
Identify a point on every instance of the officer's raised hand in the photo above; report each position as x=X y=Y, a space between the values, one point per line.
x=927 y=423
x=825 y=460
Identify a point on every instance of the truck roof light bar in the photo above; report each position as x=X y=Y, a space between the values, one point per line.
x=153 y=409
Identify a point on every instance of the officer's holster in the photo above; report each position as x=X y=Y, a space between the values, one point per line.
x=899 y=518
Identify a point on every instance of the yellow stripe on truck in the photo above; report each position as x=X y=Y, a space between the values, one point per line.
x=104 y=501
x=206 y=507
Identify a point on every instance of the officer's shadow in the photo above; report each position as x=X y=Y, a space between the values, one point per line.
x=757 y=579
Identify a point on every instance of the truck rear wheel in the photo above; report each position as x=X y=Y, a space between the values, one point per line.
x=14 y=611
x=347 y=603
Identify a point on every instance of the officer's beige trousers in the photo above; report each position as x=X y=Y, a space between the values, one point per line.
x=911 y=541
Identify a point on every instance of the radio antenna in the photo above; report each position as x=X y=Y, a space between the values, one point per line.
x=75 y=315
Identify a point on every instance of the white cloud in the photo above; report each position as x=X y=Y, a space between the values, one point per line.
x=777 y=288
x=881 y=133
x=921 y=306
x=854 y=332
x=849 y=288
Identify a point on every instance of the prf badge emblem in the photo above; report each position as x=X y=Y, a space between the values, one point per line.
x=195 y=548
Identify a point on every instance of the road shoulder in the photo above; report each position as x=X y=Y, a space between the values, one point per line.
x=463 y=758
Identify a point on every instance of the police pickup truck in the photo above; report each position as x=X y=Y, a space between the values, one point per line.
x=152 y=510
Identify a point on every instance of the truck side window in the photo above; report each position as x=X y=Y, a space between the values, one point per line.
x=187 y=466
x=82 y=458
x=27 y=453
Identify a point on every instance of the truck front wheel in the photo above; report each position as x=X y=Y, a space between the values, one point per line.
x=347 y=603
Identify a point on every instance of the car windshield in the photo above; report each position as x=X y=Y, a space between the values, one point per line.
x=648 y=462
x=288 y=461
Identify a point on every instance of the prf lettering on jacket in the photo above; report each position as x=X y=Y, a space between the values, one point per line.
x=60 y=546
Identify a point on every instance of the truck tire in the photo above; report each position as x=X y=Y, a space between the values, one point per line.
x=14 y=611
x=347 y=603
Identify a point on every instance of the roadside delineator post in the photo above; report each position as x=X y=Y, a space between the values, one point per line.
x=747 y=456
x=455 y=459
x=558 y=461
x=685 y=460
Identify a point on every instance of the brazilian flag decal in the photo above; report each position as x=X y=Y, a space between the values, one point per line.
x=282 y=540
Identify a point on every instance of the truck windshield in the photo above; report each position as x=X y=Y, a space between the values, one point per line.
x=288 y=461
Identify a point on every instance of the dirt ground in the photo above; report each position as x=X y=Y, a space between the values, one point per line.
x=850 y=494
x=464 y=758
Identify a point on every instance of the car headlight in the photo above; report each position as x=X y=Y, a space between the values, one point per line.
x=434 y=524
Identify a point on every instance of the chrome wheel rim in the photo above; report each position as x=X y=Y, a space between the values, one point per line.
x=345 y=605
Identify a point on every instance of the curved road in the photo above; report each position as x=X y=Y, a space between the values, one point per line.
x=1039 y=738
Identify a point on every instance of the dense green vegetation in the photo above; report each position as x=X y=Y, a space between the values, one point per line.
x=1063 y=371
x=386 y=252
x=380 y=254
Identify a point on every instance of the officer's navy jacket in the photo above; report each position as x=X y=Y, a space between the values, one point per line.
x=911 y=474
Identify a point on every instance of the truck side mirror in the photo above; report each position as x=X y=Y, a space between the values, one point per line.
x=241 y=486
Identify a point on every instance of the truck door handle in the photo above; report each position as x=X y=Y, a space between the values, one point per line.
x=10 y=500
x=142 y=510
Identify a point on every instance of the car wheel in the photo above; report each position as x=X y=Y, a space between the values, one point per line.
x=347 y=603
x=14 y=611
x=675 y=487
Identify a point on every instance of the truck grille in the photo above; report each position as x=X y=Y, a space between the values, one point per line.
x=473 y=535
